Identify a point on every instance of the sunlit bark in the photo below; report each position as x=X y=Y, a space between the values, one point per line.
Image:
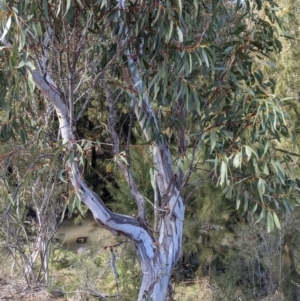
x=117 y=223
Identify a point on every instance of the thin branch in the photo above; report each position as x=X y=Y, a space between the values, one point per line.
x=15 y=193
x=92 y=87
x=135 y=193
x=83 y=36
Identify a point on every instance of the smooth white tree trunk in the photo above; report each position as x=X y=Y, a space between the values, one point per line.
x=157 y=258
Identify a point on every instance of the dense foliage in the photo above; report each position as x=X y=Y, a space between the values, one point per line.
x=178 y=79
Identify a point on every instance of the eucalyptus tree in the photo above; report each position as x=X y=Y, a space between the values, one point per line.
x=183 y=71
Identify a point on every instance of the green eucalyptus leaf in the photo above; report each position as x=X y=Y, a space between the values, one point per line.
x=60 y=176
x=58 y=7
x=80 y=4
x=261 y=187
x=68 y=5
x=213 y=140
x=238 y=203
x=237 y=161
x=223 y=175
x=261 y=216
x=270 y=222
x=276 y=221
x=31 y=82
x=248 y=151
x=204 y=56
x=254 y=208
x=6 y=28
x=180 y=35
x=45 y=5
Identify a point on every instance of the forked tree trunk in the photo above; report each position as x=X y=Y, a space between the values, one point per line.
x=157 y=258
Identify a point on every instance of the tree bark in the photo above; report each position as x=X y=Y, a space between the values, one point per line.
x=157 y=275
x=157 y=258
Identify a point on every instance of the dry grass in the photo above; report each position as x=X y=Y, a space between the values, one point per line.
x=197 y=290
x=15 y=290
x=194 y=290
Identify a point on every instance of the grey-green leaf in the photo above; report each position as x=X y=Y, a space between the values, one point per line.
x=270 y=222
x=6 y=28
x=276 y=221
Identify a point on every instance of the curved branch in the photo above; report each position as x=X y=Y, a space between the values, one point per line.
x=117 y=223
x=156 y=278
